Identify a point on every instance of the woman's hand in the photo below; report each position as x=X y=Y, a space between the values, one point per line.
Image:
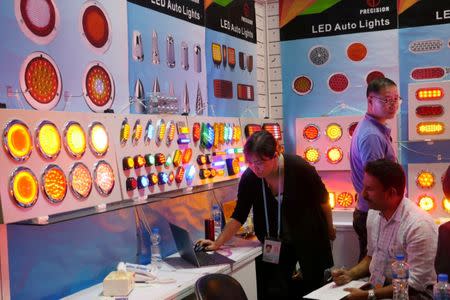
x=208 y=244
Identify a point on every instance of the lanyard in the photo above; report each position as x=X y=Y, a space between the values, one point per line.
x=279 y=200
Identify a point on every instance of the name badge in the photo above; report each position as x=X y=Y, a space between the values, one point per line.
x=271 y=251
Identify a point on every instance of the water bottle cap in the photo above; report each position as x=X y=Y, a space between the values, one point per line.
x=443 y=277
x=155 y=230
x=400 y=257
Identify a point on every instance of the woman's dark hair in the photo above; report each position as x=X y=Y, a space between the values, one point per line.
x=376 y=85
x=261 y=143
x=389 y=173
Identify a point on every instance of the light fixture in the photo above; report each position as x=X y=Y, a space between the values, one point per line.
x=74 y=139
x=127 y=163
x=319 y=55
x=274 y=129
x=142 y=182
x=17 y=140
x=338 y=82
x=334 y=132
x=171 y=130
x=351 y=128
x=216 y=128
x=312 y=155
x=426 y=111
x=332 y=199
x=23 y=187
x=179 y=174
x=149 y=160
x=131 y=184
x=201 y=159
x=149 y=132
x=345 y=199
x=171 y=177
x=425 y=180
x=302 y=85
x=161 y=130
x=163 y=178
x=233 y=166
x=104 y=178
x=251 y=129
x=196 y=132
x=221 y=133
x=426 y=202
x=311 y=132
x=168 y=161
x=216 y=51
x=237 y=133
x=80 y=181
x=160 y=159
x=446 y=205
x=204 y=173
x=187 y=155
x=207 y=136
x=98 y=87
x=137 y=132
x=98 y=139
x=334 y=155
x=95 y=26
x=54 y=184
x=431 y=93
x=430 y=128
x=177 y=156
x=48 y=140
x=125 y=131
x=426 y=73
x=153 y=179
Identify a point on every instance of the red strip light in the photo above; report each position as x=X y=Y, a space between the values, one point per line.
x=434 y=93
x=430 y=111
x=179 y=175
x=274 y=129
x=428 y=73
x=251 y=129
x=187 y=155
x=196 y=132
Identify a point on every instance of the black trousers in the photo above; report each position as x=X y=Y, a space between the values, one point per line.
x=359 y=224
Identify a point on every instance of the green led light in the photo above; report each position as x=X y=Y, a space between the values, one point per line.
x=239 y=150
x=168 y=161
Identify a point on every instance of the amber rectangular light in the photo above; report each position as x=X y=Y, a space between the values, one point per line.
x=433 y=93
x=430 y=128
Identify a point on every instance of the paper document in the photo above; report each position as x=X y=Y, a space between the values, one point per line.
x=333 y=292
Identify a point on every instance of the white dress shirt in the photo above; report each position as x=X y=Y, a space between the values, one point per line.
x=411 y=232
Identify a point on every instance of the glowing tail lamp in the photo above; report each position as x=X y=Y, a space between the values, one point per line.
x=187 y=155
x=74 y=139
x=125 y=132
x=163 y=178
x=96 y=26
x=149 y=160
x=127 y=163
x=161 y=130
x=142 y=182
x=137 y=132
x=356 y=51
x=48 y=140
x=233 y=166
x=80 y=181
x=351 y=128
x=17 y=140
x=207 y=136
x=345 y=199
x=302 y=85
x=190 y=173
x=216 y=135
x=40 y=81
x=38 y=20
x=374 y=75
x=160 y=159
x=179 y=174
x=319 y=55
x=426 y=202
x=221 y=133
x=338 y=82
x=168 y=161
x=98 y=139
x=196 y=132
x=237 y=133
x=131 y=184
x=446 y=205
x=332 y=199
x=428 y=73
x=201 y=159
x=204 y=173
x=149 y=132
x=425 y=180
x=98 y=87
x=334 y=155
x=23 y=187
x=171 y=177
x=104 y=178
x=216 y=54
x=430 y=128
x=54 y=184
x=426 y=46
x=139 y=161
x=434 y=93
x=213 y=172
x=312 y=155
x=274 y=129
x=334 y=132
x=153 y=179
x=424 y=111
x=231 y=57
x=311 y=132
x=251 y=129
x=171 y=132
x=177 y=156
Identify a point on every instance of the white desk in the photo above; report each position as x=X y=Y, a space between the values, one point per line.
x=244 y=253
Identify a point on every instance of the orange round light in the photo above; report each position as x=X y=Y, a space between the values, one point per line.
x=98 y=139
x=334 y=132
x=48 y=140
x=23 y=187
x=446 y=205
x=75 y=139
x=96 y=26
x=425 y=180
x=104 y=178
x=98 y=87
x=426 y=203
x=80 y=181
x=356 y=51
x=345 y=199
x=334 y=155
x=311 y=132
x=17 y=140
x=54 y=184
x=312 y=155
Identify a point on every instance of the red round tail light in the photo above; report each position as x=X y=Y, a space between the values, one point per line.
x=96 y=26
x=98 y=87
x=338 y=82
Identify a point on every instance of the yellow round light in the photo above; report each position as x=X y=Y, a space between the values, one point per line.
x=334 y=155
x=104 y=178
x=446 y=205
x=426 y=203
x=24 y=187
x=48 y=140
x=75 y=139
x=312 y=155
x=80 y=181
x=345 y=199
x=425 y=180
x=54 y=184
x=98 y=139
x=17 y=140
x=333 y=132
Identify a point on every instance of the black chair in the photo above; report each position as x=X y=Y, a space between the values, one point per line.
x=219 y=287
x=442 y=262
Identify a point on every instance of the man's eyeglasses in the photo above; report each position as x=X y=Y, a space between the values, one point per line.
x=389 y=100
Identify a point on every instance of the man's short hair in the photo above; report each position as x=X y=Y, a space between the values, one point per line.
x=376 y=85
x=389 y=173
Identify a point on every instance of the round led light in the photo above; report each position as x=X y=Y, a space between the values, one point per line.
x=23 y=187
x=374 y=75
x=38 y=19
x=446 y=205
x=98 y=87
x=40 y=81
x=74 y=139
x=334 y=155
x=426 y=202
x=338 y=82
x=54 y=184
x=345 y=199
x=302 y=85
x=312 y=155
x=48 y=140
x=95 y=26
x=17 y=140
x=98 y=139
x=351 y=128
x=356 y=51
x=334 y=132
x=80 y=181
x=311 y=132
x=425 y=180
x=319 y=55
x=104 y=178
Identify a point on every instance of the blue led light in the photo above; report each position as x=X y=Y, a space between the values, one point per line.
x=142 y=182
x=230 y=151
x=163 y=178
x=183 y=140
x=149 y=132
x=190 y=173
x=219 y=163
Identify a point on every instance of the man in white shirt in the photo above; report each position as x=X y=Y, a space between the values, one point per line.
x=395 y=225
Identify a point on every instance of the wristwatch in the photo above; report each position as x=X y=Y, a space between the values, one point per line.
x=371 y=295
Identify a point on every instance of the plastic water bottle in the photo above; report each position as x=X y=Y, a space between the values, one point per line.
x=400 y=275
x=217 y=217
x=156 y=251
x=441 y=289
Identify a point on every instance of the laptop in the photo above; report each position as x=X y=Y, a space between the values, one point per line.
x=185 y=247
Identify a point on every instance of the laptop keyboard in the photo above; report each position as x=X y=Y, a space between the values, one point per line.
x=206 y=259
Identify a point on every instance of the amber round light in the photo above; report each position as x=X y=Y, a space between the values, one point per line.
x=80 y=181
x=426 y=203
x=302 y=85
x=356 y=51
x=311 y=132
x=95 y=25
x=98 y=87
x=104 y=178
x=17 y=140
x=54 y=184
x=48 y=140
x=425 y=180
x=345 y=199
x=446 y=205
x=312 y=155
x=334 y=132
x=23 y=187
x=334 y=155
x=98 y=139
x=75 y=139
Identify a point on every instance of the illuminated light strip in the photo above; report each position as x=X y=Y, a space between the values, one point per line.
x=429 y=111
x=179 y=175
x=221 y=133
x=251 y=129
x=183 y=141
x=430 y=128
x=149 y=132
x=219 y=153
x=125 y=131
x=171 y=133
x=426 y=202
x=187 y=155
x=183 y=130
x=196 y=132
x=236 y=133
x=219 y=163
x=239 y=150
x=161 y=130
x=229 y=136
x=137 y=131
x=177 y=155
x=332 y=199
x=160 y=159
x=216 y=135
x=432 y=93
x=274 y=129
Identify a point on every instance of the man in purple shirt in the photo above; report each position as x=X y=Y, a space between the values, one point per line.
x=371 y=141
